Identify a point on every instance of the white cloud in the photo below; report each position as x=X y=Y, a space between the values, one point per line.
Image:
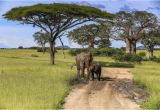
x=15 y=42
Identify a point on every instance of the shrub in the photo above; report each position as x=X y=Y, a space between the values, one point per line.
x=46 y=49
x=106 y=52
x=34 y=55
x=156 y=59
x=142 y=54
x=20 y=47
x=77 y=51
x=33 y=47
x=40 y=50
x=127 y=57
x=97 y=52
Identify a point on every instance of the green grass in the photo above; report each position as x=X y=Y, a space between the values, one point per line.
x=156 y=52
x=28 y=82
x=147 y=75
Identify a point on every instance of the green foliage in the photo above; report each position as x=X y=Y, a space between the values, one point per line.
x=124 y=22
x=77 y=51
x=127 y=57
x=92 y=34
x=142 y=54
x=147 y=75
x=104 y=43
x=20 y=47
x=41 y=50
x=41 y=38
x=30 y=82
x=84 y=35
x=46 y=49
x=66 y=9
x=98 y=52
x=34 y=55
x=155 y=59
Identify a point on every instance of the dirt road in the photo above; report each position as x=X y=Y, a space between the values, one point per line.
x=100 y=95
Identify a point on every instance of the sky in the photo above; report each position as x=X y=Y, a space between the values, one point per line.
x=14 y=34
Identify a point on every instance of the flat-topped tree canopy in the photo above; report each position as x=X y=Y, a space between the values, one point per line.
x=72 y=10
x=56 y=18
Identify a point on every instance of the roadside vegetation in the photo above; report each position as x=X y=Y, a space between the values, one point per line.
x=29 y=82
x=147 y=76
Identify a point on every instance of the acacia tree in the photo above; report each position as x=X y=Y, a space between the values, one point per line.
x=128 y=27
x=92 y=34
x=84 y=35
x=104 y=35
x=55 y=18
x=150 y=40
x=104 y=43
x=41 y=39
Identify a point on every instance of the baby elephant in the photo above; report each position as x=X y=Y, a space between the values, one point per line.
x=95 y=69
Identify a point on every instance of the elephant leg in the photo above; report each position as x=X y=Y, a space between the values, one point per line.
x=88 y=73
x=97 y=74
x=83 y=71
x=82 y=67
x=78 y=69
x=78 y=73
x=92 y=75
x=99 y=77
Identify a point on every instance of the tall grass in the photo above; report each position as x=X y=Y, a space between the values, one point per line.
x=147 y=75
x=28 y=82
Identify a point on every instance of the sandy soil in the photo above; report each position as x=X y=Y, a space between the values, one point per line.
x=99 y=95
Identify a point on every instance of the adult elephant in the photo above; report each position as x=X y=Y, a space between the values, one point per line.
x=83 y=60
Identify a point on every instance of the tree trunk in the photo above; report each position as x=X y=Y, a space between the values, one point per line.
x=90 y=44
x=128 y=45
x=133 y=47
x=43 y=48
x=52 y=52
x=62 y=47
x=149 y=53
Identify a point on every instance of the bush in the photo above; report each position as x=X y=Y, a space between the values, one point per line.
x=109 y=51
x=33 y=47
x=77 y=51
x=142 y=54
x=41 y=50
x=97 y=52
x=20 y=47
x=34 y=55
x=155 y=59
x=106 y=51
x=127 y=57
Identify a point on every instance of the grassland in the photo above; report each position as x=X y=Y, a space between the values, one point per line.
x=28 y=81
x=147 y=75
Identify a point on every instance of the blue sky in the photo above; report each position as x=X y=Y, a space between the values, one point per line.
x=13 y=34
